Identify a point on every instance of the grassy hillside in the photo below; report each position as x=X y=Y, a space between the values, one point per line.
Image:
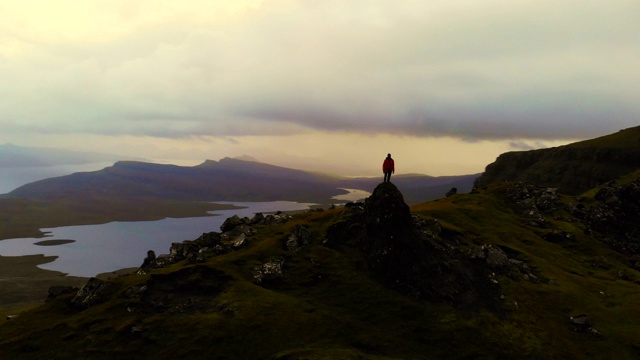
x=331 y=299
x=574 y=168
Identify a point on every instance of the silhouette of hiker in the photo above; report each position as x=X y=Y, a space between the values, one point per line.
x=388 y=168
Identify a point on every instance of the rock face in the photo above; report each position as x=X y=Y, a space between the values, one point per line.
x=268 y=273
x=574 y=168
x=532 y=201
x=90 y=293
x=298 y=239
x=615 y=218
x=235 y=235
x=410 y=256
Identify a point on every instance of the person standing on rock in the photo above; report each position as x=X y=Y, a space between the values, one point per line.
x=388 y=168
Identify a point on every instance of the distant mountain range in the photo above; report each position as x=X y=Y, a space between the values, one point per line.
x=228 y=179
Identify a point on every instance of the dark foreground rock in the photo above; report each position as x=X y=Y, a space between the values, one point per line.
x=90 y=293
x=414 y=261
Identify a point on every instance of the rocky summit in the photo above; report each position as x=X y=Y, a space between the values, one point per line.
x=510 y=271
x=409 y=253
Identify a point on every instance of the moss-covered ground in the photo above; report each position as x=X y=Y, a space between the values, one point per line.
x=329 y=306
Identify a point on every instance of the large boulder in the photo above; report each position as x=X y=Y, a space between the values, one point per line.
x=90 y=293
x=298 y=239
x=230 y=223
x=408 y=254
x=269 y=272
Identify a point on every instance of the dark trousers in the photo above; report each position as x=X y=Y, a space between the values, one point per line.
x=387 y=176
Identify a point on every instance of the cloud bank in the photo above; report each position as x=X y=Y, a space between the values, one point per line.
x=171 y=69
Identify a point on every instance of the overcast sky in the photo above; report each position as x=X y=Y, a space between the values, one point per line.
x=445 y=86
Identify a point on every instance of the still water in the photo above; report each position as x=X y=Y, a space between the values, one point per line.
x=93 y=249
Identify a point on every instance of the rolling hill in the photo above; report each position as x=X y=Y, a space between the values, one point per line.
x=228 y=179
x=512 y=270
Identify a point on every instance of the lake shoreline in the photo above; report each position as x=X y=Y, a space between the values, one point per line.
x=27 y=283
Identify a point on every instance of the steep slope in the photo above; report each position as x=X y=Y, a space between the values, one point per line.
x=508 y=272
x=573 y=168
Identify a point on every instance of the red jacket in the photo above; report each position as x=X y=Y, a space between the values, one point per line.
x=388 y=165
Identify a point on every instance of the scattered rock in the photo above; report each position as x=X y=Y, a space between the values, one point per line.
x=532 y=201
x=90 y=293
x=498 y=261
x=582 y=323
x=165 y=260
x=230 y=223
x=257 y=219
x=209 y=239
x=135 y=291
x=496 y=257
x=269 y=272
x=298 y=239
x=182 y=250
x=239 y=242
x=615 y=218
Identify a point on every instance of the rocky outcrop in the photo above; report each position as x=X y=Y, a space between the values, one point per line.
x=572 y=169
x=269 y=273
x=90 y=294
x=582 y=323
x=235 y=235
x=408 y=254
x=532 y=202
x=612 y=217
x=500 y=263
x=298 y=239
x=615 y=218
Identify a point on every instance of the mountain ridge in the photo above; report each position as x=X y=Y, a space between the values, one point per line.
x=572 y=168
x=228 y=179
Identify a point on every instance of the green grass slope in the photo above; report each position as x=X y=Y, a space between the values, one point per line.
x=330 y=305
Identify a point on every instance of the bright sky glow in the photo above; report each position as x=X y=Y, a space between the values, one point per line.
x=322 y=85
